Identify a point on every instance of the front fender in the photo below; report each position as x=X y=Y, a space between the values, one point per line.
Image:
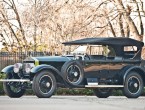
x=44 y=67
x=8 y=69
x=39 y=68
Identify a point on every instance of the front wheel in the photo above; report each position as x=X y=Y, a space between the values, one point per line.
x=133 y=85
x=102 y=92
x=44 y=84
x=13 y=89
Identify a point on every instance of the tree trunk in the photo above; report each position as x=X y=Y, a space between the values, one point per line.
x=20 y=24
x=128 y=31
x=140 y=20
x=133 y=28
x=111 y=27
x=121 y=25
x=10 y=28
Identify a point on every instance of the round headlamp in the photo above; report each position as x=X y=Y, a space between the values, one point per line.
x=28 y=67
x=17 y=67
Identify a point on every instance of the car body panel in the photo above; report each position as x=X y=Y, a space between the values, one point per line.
x=39 y=68
x=8 y=69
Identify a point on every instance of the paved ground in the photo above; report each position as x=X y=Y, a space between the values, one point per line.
x=71 y=103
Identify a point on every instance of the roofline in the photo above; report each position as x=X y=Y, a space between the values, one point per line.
x=103 y=41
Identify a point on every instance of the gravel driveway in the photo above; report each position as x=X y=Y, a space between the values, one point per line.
x=71 y=103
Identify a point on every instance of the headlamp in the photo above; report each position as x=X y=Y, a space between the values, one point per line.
x=28 y=67
x=17 y=67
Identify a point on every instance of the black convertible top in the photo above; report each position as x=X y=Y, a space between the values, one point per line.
x=114 y=41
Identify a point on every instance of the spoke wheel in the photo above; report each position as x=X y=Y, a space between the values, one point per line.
x=73 y=73
x=44 y=84
x=13 y=89
x=133 y=85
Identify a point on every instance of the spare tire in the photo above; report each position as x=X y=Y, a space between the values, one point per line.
x=73 y=72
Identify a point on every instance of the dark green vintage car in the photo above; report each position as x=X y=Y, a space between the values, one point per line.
x=101 y=64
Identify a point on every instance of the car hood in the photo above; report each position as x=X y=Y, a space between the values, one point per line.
x=47 y=59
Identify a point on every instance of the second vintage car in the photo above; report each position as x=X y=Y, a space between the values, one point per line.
x=101 y=64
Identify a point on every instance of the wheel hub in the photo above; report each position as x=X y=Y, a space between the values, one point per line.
x=47 y=84
x=75 y=74
x=135 y=85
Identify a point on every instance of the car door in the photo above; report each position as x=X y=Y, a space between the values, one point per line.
x=96 y=65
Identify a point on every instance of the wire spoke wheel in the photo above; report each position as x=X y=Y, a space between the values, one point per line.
x=44 y=84
x=13 y=89
x=133 y=85
x=15 y=86
x=74 y=74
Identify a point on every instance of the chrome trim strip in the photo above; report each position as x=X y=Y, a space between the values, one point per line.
x=14 y=80
x=103 y=86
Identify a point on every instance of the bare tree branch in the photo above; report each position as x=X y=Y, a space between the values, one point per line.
x=139 y=15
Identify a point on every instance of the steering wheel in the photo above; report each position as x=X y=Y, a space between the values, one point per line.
x=87 y=56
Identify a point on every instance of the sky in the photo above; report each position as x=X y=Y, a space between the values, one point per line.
x=1 y=46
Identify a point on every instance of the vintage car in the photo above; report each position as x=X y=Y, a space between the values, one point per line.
x=101 y=64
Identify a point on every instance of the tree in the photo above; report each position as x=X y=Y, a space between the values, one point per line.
x=46 y=24
x=63 y=21
x=126 y=14
x=9 y=13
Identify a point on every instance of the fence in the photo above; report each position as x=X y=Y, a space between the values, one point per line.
x=7 y=58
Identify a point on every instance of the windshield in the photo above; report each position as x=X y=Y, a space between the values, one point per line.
x=80 y=50
x=93 y=50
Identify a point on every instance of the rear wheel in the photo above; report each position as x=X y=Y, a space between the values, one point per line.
x=44 y=84
x=13 y=89
x=133 y=85
x=102 y=92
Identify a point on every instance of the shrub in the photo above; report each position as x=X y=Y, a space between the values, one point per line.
x=74 y=92
x=1 y=89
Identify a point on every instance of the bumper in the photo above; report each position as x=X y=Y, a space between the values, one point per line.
x=15 y=80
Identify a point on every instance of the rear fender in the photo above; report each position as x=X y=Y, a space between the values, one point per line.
x=126 y=70
x=137 y=69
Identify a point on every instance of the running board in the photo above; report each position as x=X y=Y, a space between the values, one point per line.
x=103 y=86
x=14 y=80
